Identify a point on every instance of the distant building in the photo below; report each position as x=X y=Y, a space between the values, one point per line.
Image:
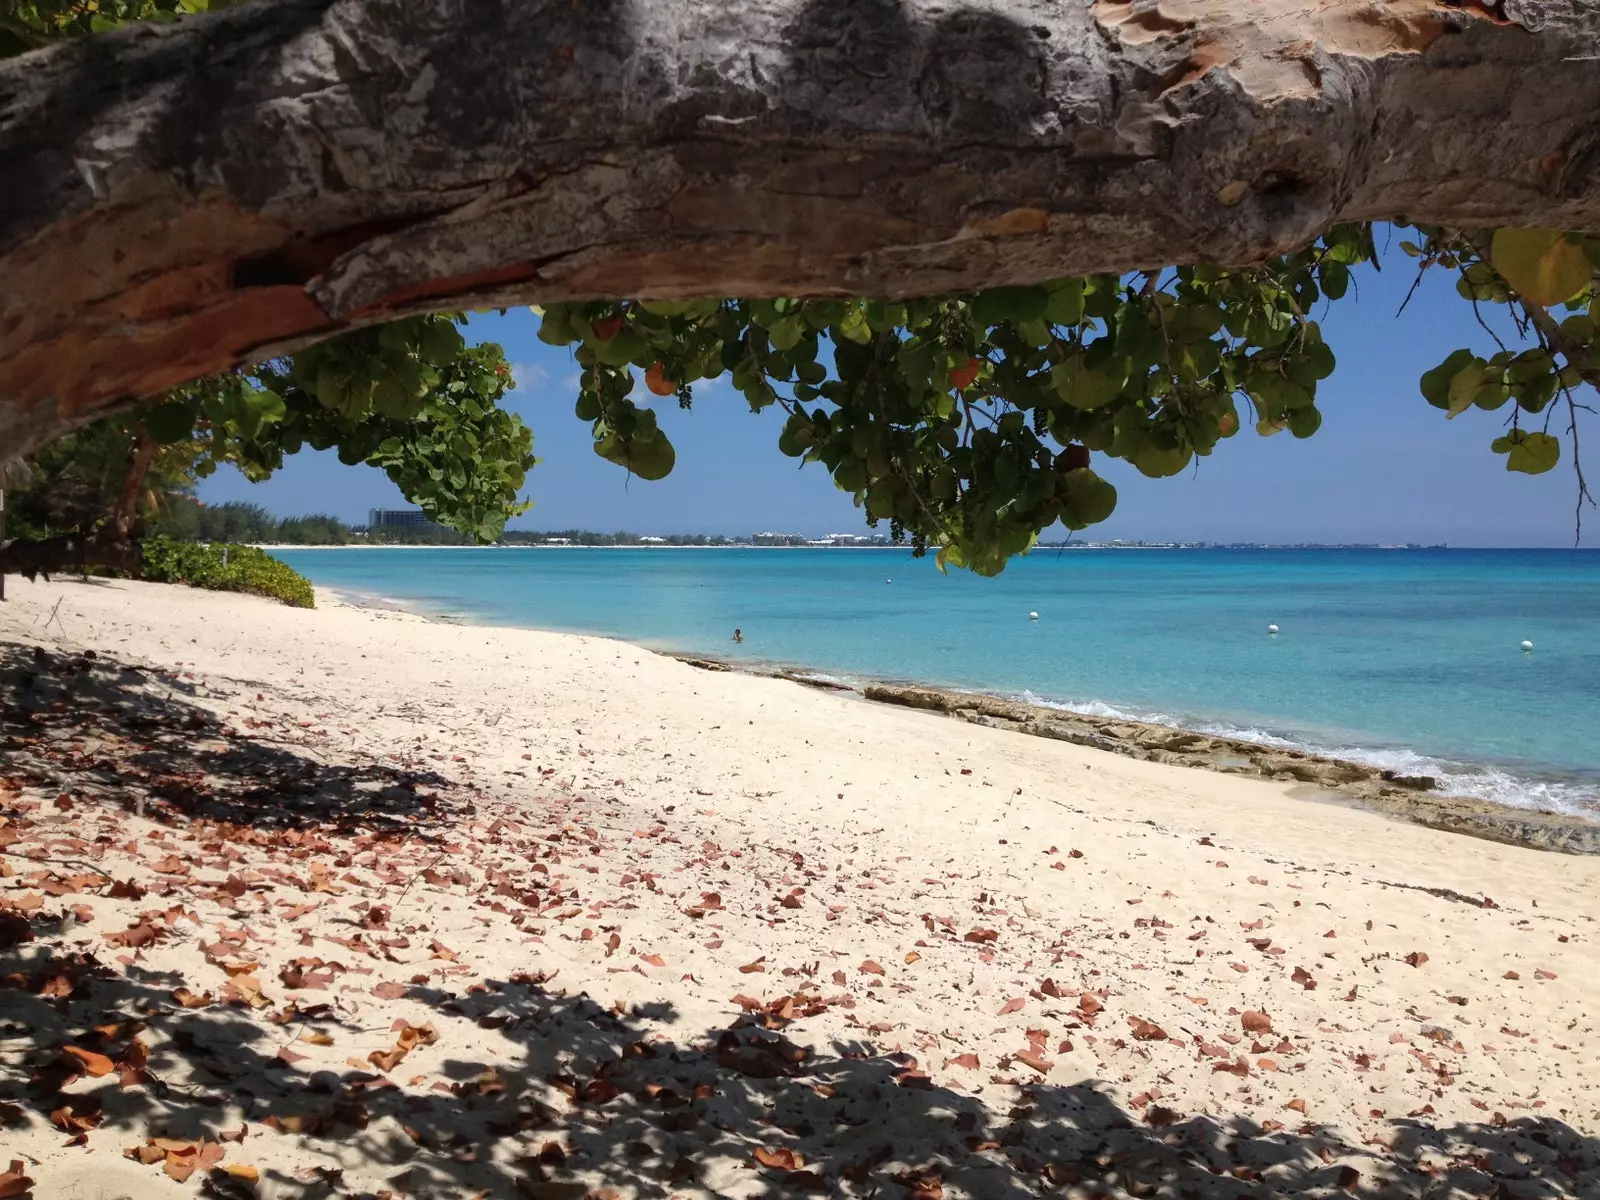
x=397 y=518
x=778 y=539
x=647 y=540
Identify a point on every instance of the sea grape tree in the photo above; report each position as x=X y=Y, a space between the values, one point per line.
x=970 y=422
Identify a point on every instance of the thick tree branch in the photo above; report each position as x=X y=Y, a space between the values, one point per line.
x=179 y=199
x=69 y=552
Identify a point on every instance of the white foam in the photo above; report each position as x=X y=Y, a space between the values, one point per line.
x=1479 y=781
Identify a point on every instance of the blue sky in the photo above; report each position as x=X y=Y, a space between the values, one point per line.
x=1385 y=467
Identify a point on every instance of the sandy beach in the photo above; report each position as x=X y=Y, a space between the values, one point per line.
x=347 y=902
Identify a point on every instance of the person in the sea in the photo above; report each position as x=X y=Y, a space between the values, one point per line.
x=738 y=636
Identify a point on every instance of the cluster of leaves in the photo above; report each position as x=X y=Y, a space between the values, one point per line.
x=225 y=568
x=411 y=398
x=1530 y=272
x=968 y=421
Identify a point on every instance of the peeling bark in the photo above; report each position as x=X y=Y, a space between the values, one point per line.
x=178 y=199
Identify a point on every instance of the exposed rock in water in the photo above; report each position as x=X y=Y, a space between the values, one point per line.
x=1421 y=783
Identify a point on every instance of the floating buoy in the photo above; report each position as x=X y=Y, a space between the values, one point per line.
x=1527 y=647
x=1272 y=629
x=1033 y=616
x=888 y=581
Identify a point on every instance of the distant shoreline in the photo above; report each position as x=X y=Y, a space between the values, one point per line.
x=1075 y=547
x=548 y=546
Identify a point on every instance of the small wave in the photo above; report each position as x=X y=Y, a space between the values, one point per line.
x=825 y=677
x=1478 y=781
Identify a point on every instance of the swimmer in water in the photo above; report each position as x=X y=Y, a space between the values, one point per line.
x=738 y=636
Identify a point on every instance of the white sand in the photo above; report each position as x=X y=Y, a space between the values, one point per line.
x=921 y=877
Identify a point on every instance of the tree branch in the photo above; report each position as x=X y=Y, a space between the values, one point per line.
x=274 y=173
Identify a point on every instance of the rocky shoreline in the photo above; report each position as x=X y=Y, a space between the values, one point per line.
x=1404 y=797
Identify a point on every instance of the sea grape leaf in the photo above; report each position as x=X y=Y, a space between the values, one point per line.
x=1542 y=264
x=1530 y=453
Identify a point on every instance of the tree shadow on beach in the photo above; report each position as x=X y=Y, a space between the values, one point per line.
x=565 y=1098
x=136 y=735
x=539 y=1093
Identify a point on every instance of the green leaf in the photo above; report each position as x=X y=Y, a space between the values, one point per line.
x=1012 y=304
x=1304 y=422
x=1086 y=499
x=785 y=334
x=1436 y=383
x=1158 y=463
x=1065 y=306
x=1530 y=453
x=797 y=436
x=1478 y=383
x=1082 y=386
x=170 y=422
x=651 y=459
x=1335 y=280
x=1542 y=264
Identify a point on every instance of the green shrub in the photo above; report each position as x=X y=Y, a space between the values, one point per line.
x=225 y=568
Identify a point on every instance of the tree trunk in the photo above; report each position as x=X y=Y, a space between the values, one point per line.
x=182 y=198
x=141 y=452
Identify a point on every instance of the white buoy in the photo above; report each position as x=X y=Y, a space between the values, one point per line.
x=1033 y=616
x=1272 y=629
x=1527 y=647
x=888 y=581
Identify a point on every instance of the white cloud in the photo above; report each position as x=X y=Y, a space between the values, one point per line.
x=528 y=376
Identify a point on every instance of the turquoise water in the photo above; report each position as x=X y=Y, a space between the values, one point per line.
x=1407 y=659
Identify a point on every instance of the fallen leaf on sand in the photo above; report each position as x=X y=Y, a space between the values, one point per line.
x=91 y=1062
x=1147 y=1031
x=968 y=1061
x=1089 y=1004
x=1035 y=1060
x=1256 y=1022
x=15 y=1181
x=1416 y=958
x=80 y=1116
x=1015 y=1004
x=780 y=1160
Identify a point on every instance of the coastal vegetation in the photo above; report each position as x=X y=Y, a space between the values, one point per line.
x=225 y=568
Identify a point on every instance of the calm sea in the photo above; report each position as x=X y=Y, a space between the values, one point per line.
x=1407 y=659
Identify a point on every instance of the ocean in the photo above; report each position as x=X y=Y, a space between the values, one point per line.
x=1409 y=659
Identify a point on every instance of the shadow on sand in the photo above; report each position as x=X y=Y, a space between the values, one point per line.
x=563 y=1097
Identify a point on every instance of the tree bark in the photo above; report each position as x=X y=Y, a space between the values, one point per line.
x=141 y=453
x=183 y=198
x=70 y=552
